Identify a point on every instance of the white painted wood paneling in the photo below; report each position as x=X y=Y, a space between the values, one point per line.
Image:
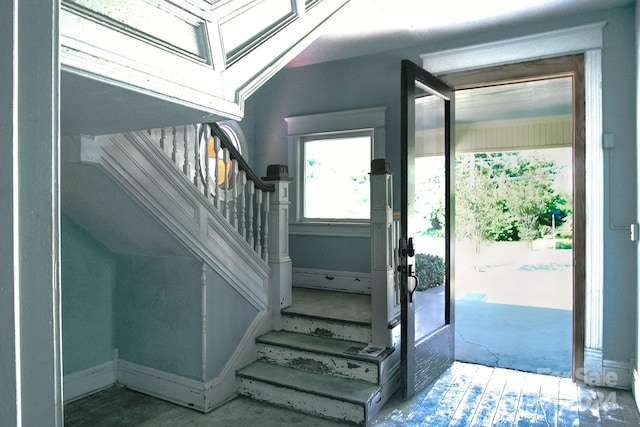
x=346 y=281
x=135 y=163
x=501 y=135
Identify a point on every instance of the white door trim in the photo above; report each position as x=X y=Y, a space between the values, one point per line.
x=536 y=46
x=586 y=39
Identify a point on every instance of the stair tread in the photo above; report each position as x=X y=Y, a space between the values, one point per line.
x=330 y=346
x=353 y=391
x=355 y=308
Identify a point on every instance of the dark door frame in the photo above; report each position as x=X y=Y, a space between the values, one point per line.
x=565 y=66
x=424 y=361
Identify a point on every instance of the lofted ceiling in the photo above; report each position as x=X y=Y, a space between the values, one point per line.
x=361 y=27
x=364 y=27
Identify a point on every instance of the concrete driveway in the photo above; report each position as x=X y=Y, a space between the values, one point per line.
x=513 y=307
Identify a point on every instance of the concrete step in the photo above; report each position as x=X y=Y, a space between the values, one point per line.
x=326 y=356
x=317 y=325
x=317 y=394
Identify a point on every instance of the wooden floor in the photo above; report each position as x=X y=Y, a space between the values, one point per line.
x=466 y=395
x=475 y=395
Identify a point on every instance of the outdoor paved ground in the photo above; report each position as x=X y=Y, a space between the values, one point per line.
x=513 y=307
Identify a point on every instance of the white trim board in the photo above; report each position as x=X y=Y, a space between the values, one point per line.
x=88 y=381
x=618 y=374
x=606 y=373
x=345 y=281
x=164 y=385
x=536 y=46
x=635 y=387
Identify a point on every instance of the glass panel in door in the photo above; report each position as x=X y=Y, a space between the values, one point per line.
x=426 y=229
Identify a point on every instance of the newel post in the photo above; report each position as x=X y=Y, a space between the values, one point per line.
x=279 y=260
x=384 y=298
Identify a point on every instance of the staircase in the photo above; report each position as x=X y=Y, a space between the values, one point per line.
x=318 y=363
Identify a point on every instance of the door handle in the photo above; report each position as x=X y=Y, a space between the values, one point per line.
x=416 y=282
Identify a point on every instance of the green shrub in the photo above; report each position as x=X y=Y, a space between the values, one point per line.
x=564 y=243
x=429 y=270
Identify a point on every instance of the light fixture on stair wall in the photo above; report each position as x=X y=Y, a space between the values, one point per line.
x=217 y=161
x=221 y=169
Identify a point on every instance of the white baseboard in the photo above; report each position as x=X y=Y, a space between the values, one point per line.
x=174 y=388
x=602 y=372
x=345 y=281
x=88 y=381
x=635 y=387
x=195 y=394
x=617 y=374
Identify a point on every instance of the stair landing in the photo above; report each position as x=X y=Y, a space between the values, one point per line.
x=331 y=305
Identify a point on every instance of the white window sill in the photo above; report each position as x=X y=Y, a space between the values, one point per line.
x=339 y=229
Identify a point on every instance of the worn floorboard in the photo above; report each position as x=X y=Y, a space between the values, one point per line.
x=465 y=395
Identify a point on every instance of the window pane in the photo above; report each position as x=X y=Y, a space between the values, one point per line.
x=336 y=178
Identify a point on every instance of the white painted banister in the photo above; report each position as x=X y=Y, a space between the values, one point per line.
x=385 y=301
x=278 y=243
x=232 y=188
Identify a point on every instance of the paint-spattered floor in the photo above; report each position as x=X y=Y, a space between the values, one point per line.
x=466 y=394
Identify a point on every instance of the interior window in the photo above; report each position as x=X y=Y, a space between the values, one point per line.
x=336 y=176
x=330 y=160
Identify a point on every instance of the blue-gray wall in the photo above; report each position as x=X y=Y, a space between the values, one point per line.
x=88 y=280
x=374 y=81
x=158 y=313
x=229 y=315
x=149 y=308
x=619 y=118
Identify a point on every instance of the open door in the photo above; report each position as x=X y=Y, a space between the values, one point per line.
x=426 y=246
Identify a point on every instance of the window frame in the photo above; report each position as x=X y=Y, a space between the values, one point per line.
x=368 y=121
x=302 y=148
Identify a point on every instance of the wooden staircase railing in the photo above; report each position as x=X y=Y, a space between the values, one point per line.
x=222 y=175
x=256 y=208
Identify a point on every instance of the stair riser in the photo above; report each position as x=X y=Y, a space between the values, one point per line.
x=321 y=406
x=319 y=363
x=326 y=328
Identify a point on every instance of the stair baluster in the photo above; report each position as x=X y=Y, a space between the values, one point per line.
x=250 y=240
x=258 y=247
x=226 y=183
x=233 y=180
x=207 y=170
x=163 y=138
x=216 y=173
x=186 y=168
x=196 y=160
x=174 y=150
x=242 y=200
x=265 y=243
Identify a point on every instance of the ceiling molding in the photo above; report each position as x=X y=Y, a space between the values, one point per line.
x=536 y=46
